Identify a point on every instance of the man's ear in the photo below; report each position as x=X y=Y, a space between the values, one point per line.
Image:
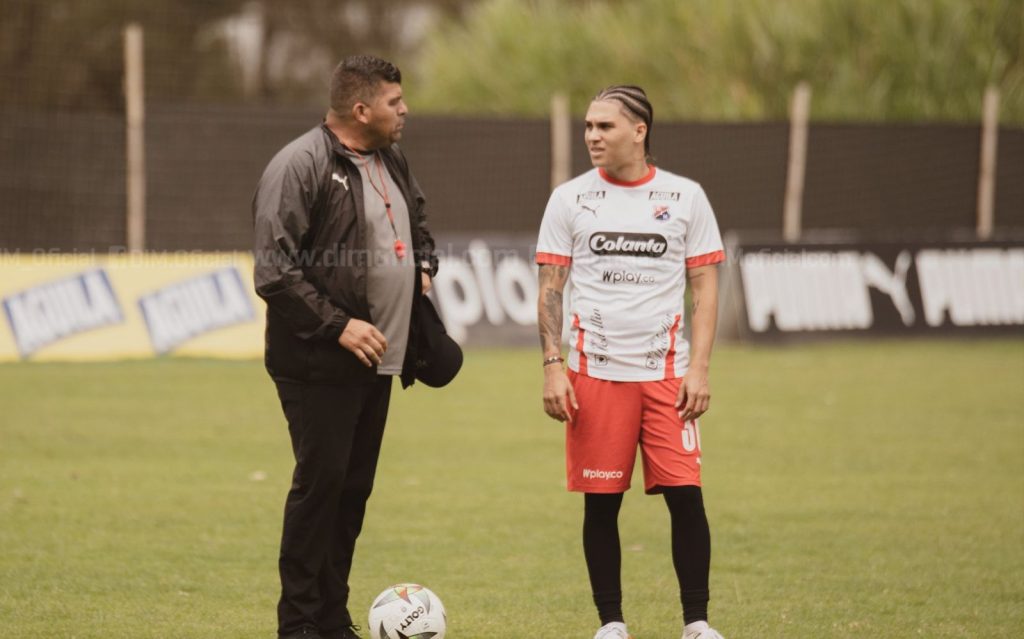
x=360 y=112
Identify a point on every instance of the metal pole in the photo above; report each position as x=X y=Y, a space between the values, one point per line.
x=987 y=168
x=792 y=208
x=135 y=147
x=561 y=140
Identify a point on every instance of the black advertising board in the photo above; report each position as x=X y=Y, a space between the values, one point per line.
x=898 y=288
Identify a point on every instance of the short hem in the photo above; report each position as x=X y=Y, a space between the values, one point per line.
x=658 y=489
x=601 y=490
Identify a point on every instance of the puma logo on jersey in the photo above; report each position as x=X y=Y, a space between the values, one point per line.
x=338 y=178
x=592 y=209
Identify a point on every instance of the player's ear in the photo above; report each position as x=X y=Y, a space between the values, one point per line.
x=641 y=132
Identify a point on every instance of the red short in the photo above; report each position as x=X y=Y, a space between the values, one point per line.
x=613 y=418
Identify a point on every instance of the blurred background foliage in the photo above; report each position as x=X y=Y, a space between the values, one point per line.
x=888 y=60
x=68 y=54
x=733 y=59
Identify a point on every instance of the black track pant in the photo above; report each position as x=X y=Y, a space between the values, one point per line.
x=336 y=434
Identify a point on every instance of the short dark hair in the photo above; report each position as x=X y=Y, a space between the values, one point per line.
x=635 y=105
x=355 y=79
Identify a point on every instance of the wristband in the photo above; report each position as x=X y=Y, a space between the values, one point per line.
x=557 y=359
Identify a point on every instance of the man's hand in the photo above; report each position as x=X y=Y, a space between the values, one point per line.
x=425 y=278
x=558 y=394
x=694 y=396
x=365 y=341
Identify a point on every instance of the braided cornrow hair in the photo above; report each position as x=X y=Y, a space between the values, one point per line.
x=635 y=105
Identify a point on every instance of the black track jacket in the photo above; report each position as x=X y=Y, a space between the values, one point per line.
x=311 y=258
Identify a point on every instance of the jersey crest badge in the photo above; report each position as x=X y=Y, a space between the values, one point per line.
x=661 y=213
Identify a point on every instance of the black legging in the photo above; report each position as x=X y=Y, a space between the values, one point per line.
x=691 y=550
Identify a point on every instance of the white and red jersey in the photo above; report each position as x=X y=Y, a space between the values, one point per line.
x=628 y=245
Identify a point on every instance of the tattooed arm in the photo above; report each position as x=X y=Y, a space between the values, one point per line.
x=694 y=393
x=549 y=308
x=558 y=393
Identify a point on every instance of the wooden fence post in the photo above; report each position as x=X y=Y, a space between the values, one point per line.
x=135 y=146
x=987 y=166
x=561 y=140
x=792 y=208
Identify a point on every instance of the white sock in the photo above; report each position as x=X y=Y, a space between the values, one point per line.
x=695 y=627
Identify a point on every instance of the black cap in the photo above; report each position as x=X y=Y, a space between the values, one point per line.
x=439 y=357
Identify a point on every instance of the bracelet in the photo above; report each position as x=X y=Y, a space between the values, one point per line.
x=557 y=359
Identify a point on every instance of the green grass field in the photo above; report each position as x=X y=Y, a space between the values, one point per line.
x=855 y=490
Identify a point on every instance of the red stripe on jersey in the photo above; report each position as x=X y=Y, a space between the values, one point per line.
x=644 y=180
x=706 y=259
x=579 y=344
x=670 y=357
x=552 y=258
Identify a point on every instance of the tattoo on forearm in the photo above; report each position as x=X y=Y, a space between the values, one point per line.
x=551 y=320
x=549 y=309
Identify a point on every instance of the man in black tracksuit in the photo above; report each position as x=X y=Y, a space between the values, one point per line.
x=342 y=252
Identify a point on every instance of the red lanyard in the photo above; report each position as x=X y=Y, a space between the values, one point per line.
x=384 y=195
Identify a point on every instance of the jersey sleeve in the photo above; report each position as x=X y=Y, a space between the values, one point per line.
x=554 y=245
x=703 y=239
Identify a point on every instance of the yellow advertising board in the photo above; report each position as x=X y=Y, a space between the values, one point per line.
x=83 y=307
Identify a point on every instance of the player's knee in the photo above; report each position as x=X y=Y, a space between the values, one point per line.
x=601 y=507
x=684 y=498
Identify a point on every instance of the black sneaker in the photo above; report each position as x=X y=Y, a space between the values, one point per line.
x=348 y=632
x=302 y=633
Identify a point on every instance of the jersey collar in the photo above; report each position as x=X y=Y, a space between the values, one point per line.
x=644 y=180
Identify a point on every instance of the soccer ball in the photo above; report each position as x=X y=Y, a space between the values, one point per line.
x=407 y=611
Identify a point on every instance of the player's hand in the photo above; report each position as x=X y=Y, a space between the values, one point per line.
x=694 y=396
x=427 y=283
x=558 y=394
x=365 y=341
